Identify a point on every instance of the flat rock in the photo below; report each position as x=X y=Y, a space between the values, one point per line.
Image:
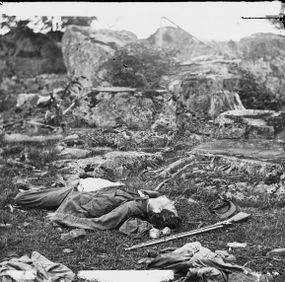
x=253 y=156
x=74 y=153
x=266 y=122
x=113 y=107
x=114 y=164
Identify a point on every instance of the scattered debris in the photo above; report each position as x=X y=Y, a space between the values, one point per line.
x=194 y=261
x=135 y=227
x=236 y=218
x=5 y=225
x=20 y=164
x=166 y=231
x=235 y=245
x=73 y=234
x=36 y=268
x=67 y=251
x=17 y=138
x=154 y=233
x=277 y=253
x=74 y=153
x=26 y=224
x=160 y=185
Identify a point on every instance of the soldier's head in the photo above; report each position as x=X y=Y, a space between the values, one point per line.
x=162 y=213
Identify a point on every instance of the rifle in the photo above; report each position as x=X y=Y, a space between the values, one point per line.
x=236 y=218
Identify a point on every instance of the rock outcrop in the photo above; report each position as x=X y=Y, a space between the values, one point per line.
x=117 y=106
x=184 y=45
x=198 y=86
x=261 y=122
x=86 y=49
x=113 y=165
x=26 y=54
x=263 y=55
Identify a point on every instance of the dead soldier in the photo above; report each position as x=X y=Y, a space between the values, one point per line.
x=106 y=208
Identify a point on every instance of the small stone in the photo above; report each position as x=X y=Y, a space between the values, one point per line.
x=235 y=245
x=26 y=224
x=154 y=233
x=67 y=251
x=166 y=231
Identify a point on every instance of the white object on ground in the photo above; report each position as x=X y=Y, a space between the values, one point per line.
x=22 y=275
x=126 y=275
x=154 y=233
x=166 y=231
x=236 y=245
x=91 y=184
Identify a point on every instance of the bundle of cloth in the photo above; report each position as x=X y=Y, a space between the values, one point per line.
x=101 y=206
x=193 y=262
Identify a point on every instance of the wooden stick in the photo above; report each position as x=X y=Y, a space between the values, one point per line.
x=42 y=124
x=17 y=137
x=161 y=184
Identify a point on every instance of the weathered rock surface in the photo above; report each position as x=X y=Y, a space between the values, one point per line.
x=265 y=122
x=86 y=49
x=74 y=153
x=113 y=107
x=262 y=55
x=114 y=165
x=253 y=157
x=205 y=87
x=41 y=84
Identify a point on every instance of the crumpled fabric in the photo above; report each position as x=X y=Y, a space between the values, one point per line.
x=37 y=268
x=47 y=198
x=135 y=227
x=53 y=197
x=193 y=260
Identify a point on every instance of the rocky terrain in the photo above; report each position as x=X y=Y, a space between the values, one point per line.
x=195 y=131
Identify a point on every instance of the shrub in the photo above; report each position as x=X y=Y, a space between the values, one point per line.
x=255 y=95
x=138 y=65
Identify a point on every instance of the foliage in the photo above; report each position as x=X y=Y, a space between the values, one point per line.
x=255 y=95
x=138 y=65
x=42 y=23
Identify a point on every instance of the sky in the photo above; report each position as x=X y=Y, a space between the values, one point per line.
x=205 y=20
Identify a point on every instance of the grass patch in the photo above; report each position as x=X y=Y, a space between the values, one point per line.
x=105 y=249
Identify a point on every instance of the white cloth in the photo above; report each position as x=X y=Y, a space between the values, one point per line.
x=91 y=184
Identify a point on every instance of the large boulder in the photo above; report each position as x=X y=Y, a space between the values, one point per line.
x=116 y=106
x=185 y=45
x=205 y=87
x=263 y=55
x=113 y=165
x=260 y=122
x=85 y=49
